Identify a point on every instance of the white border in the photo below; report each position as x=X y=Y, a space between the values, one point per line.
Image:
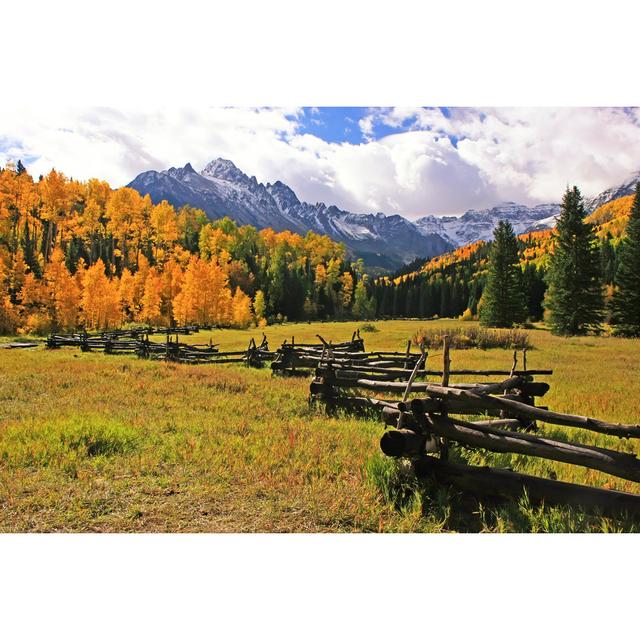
x=330 y=53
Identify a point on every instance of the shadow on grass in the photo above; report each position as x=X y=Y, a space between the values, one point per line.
x=443 y=509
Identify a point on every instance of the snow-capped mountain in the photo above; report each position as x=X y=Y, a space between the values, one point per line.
x=221 y=189
x=479 y=225
x=627 y=188
x=385 y=241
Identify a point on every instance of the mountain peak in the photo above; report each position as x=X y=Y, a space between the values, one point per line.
x=283 y=195
x=180 y=173
x=224 y=169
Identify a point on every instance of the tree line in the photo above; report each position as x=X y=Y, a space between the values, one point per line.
x=580 y=269
x=568 y=277
x=81 y=254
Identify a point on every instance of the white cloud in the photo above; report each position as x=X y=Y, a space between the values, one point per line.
x=525 y=155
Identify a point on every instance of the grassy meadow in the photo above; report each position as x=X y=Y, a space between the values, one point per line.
x=90 y=442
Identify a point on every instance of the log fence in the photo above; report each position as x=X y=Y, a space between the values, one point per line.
x=427 y=418
x=138 y=342
x=425 y=415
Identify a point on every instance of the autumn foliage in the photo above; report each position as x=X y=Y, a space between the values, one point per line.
x=80 y=254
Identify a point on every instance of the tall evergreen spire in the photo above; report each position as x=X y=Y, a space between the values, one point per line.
x=574 y=300
x=625 y=304
x=503 y=301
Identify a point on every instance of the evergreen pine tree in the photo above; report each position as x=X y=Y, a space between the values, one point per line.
x=445 y=299
x=503 y=303
x=625 y=304
x=607 y=260
x=574 y=299
x=534 y=287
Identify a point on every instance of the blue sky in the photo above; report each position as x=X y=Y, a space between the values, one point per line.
x=340 y=124
x=408 y=160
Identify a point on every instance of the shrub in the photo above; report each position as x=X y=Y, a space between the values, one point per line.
x=467 y=316
x=368 y=327
x=474 y=338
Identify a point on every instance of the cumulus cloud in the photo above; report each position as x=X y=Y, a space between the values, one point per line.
x=426 y=161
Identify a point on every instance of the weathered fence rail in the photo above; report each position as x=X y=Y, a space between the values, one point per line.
x=137 y=341
x=427 y=418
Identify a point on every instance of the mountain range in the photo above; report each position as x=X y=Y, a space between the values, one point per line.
x=384 y=242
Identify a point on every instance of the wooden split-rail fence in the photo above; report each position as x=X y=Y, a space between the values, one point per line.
x=428 y=418
x=136 y=341
x=304 y=358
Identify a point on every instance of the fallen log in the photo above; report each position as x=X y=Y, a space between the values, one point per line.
x=501 y=483
x=476 y=402
x=18 y=345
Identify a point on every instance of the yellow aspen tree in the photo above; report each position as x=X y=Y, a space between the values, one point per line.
x=221 y=298
x=18 y=273
x=100 y=299
x=8 y=315
x=127 y=291
x=63 y=293
x=140 y=279
x=164 y=225
x=241 y=305
x=33 y=305
x=259 y=305
x=172 y=279
x=126 y=211
x=346 y=291
x=205 y=297
x=151 y=311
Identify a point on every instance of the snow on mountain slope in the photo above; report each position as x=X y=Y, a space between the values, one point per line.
x=386 y=241
x=221 y=189
x=627 y=188
x=479 y=225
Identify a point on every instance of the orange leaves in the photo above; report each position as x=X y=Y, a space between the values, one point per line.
x=63 y=293
x=56 y=194
x=346 y=292
x=612 y=217
x=164 y=223
x=100 y=299
x=127 y=291
x=205 y=297
x=151 y=312
x=241 y=309
x=458 y=255
x=152 y=273
x=321 y=276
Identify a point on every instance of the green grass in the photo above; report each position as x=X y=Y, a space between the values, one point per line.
x=90 y=442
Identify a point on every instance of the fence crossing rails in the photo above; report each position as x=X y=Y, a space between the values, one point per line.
x=428 y=418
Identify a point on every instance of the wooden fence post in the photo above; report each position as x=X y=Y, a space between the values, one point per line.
x=446 y=364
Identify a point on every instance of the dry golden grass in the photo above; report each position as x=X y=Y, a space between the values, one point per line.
x=90 y=442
